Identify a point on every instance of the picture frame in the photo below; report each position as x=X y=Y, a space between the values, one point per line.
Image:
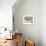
x=28 y=19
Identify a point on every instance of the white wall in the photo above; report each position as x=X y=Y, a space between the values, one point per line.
x=6 y=13
x=43 y=22
x=29 y=7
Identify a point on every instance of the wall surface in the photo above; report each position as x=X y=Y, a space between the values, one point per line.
x=43 y=22
x=30 y=31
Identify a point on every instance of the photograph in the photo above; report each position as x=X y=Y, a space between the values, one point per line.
x=28 y=19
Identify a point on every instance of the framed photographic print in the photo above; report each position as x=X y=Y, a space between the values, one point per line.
x=28 y=19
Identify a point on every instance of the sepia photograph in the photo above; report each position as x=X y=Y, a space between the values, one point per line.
x=28 y=19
